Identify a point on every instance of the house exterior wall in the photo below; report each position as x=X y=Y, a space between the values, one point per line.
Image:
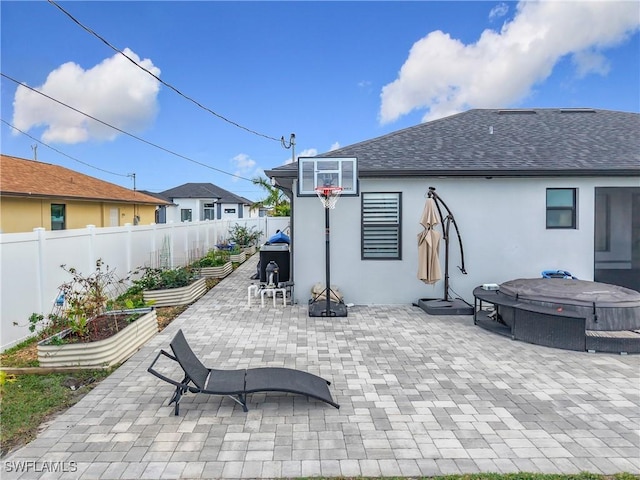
x=19 y=214
x=238 y=211
x=23 y=215
x=502 y=223
x=173 y=212
x=197 y=210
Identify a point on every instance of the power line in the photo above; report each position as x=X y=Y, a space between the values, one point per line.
x=106 y=42
x=61 y=152
x=123 y=131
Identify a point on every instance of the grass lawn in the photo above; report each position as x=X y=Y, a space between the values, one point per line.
x=27 y=401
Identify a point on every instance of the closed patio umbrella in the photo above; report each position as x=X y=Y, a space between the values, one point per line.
x=429 y=244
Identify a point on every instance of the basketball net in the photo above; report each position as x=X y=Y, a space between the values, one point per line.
x=328 y=196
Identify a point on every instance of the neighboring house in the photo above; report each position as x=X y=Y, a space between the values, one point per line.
x=36 y=194
x=161 y=212
x=193 y=202
x=530 y=190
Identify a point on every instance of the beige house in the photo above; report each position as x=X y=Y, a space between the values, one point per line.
x=36 y=194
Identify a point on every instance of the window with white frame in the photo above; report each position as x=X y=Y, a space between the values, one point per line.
x=561 y=208
x=381 y=226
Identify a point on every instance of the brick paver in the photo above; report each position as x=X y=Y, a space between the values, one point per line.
x=419 y=395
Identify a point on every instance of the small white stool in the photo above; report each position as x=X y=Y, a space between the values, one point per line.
x=274 y=292
x=252 y=291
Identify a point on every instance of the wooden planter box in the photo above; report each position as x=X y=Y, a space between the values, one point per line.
x=102 y=353
x=238 y=257
x=217 y=272
x=172 y=297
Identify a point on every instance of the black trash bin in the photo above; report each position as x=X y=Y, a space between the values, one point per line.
x=279 y=253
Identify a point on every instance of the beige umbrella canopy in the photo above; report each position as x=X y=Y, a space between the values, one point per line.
x=429 y=244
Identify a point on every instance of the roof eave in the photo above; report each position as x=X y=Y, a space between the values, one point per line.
x=85 y=199
x=621 y=172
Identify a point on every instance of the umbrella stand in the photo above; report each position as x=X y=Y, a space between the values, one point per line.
x=446 y=306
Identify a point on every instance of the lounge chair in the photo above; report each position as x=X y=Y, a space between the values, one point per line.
x=236 y=384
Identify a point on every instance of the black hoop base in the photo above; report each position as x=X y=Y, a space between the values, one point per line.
x=445 y=307
x=319 y=309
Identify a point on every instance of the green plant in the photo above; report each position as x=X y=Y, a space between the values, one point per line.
x=80 y=299
x=53 y=324
x=244 y=236
x=159 y=279
x=86 y=296
x=129 y=300
x=56 y=340
x=213 y=258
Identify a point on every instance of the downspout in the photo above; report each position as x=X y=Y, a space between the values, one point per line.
x=289 y=194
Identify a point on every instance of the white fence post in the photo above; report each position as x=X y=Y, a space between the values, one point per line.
x=92 y=246
x=171 y=245
x=154 y=248
x=129 y=247
x=40 y=269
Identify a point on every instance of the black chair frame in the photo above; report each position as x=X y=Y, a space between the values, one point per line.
x=236 y=384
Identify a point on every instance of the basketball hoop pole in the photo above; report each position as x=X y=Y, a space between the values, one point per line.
x=327 y=256
x=328 y=196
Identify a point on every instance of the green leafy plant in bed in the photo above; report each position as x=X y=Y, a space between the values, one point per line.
x=213 y=258
x=160 y=279
x=244 y=236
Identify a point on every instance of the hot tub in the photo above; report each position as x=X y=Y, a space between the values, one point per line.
x=605 y=307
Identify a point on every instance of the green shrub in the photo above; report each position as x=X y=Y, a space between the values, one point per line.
x=213 y=258
x=244 y=236
x=160 y=279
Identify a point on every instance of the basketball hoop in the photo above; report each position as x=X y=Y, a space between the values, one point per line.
x=328 y=195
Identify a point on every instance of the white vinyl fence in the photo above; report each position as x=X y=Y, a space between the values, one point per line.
x=30 y=261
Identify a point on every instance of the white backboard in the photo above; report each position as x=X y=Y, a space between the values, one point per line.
x=327 y=171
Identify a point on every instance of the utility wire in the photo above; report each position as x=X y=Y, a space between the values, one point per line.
x=61 y=152
x=103 y=40
x=124 y=132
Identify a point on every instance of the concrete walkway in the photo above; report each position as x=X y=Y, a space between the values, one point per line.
x=419 y=395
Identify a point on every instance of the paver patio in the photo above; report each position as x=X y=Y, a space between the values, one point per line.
x=419 y=395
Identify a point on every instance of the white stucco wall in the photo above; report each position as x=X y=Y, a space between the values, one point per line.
x=236 y=207
x=197 y=209
x=501 y=221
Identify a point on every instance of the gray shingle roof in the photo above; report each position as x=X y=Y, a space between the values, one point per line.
x=204 y=190
x=502 y=142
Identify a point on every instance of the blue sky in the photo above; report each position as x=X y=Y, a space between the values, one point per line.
x=334 y=73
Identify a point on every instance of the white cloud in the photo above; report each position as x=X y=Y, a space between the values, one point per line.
x=444 y=76
x=334 y=146
x=498 y=11
x=587 y=62
x=309 y=152
x=114 y=91
x=245 y=166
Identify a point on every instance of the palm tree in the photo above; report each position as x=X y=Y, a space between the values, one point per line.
x=274 y=199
